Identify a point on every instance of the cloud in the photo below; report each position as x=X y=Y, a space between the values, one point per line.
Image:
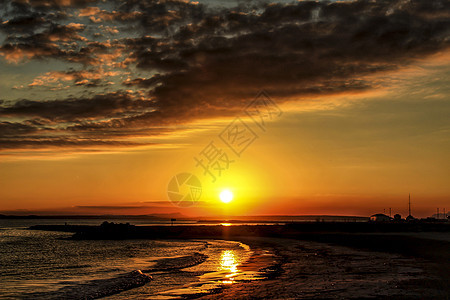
x=18 y=52
x=89 y=11
x=79 y=77
x=23 y=24
x=39 y=142
x=142 y=82
x=45 y=44
x=51 y=123
x=162 y=211
x=97 y=15
x=189 y=62
x=117 y=207
x=53 y=4
x=294 y=50
x=109 y=29
x=9 y=128
x=76 y=109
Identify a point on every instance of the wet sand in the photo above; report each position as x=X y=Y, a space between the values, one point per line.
x=326 y=270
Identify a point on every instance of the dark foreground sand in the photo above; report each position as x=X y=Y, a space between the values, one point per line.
x=373 y=267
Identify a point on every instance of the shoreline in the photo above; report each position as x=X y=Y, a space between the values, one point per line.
x=380 y=274
x=262 y=265
x=117 y=231
x=319 y=270
x=383 y=261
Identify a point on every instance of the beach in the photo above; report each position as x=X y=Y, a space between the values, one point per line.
x=313 y=270
x=294 y=261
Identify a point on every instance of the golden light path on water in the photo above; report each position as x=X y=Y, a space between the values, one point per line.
x=229 y=264
x=225 y=267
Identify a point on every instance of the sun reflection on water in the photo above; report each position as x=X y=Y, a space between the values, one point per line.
x=229 y=264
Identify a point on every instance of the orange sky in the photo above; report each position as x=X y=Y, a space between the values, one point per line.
x=351 y=155
x=100 y=115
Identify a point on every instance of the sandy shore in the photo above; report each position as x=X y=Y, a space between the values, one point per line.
x=319 y=260
x=317 y=270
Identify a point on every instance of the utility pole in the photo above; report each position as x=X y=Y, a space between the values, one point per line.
x=409 y=204
x=438 y=213
x=390 y=212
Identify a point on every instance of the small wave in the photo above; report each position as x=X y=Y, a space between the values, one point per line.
x=96 y=288
x=73 y=267
x=177 y=263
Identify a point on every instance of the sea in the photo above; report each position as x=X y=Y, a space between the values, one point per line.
x=49 y=265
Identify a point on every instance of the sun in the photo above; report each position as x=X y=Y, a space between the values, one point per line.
x=226 y=196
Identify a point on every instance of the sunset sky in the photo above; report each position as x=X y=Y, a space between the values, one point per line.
x=103 y=102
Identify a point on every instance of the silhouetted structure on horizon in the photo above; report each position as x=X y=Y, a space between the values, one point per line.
x=380 y=218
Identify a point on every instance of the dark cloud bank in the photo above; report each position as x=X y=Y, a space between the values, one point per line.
x=199 y=62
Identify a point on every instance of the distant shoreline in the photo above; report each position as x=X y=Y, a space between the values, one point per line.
x=290 y=230
x=182 y=218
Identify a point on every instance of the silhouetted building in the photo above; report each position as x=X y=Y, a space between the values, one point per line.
x=380 y=218
x=397 y=217
x=410 y=219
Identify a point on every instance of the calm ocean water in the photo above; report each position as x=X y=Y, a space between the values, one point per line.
x=48 y=265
